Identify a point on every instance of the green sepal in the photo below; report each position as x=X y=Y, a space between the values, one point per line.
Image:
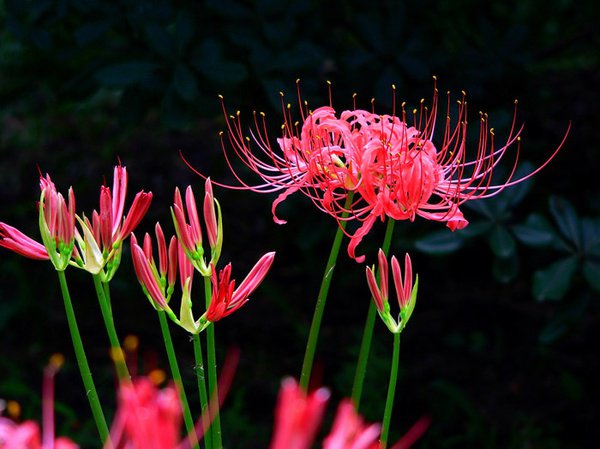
x=407 y=311
x=186 y=317
x=215 y=252
x=58 y=256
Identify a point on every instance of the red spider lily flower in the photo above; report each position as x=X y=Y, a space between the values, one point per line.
x=100 y=246
x=226 y=299
x=405 y=291
x=27 y=435
x=157 y=282
x=349 y=431
x=391 y=166
x=189 y=231
x=298 y=416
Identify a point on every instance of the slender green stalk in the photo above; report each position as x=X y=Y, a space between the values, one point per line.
x=200 y=370
x=365 y=345
x=211 y=357
x=313 y=335
x=187 y=416
x=84 y=368
x=117 y=354
x=389 y=402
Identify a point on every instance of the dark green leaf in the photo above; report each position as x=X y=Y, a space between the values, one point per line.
x=125 y=74
x=208 y=60
x=553 y=282
x=474 y=229
x=439 y=242
x=536 y=231
x=505 y=270
x=185 y=83
x=92 y=31
x=160 y=41
x=590 y=230
x=566 y=218
x=553 y=330
x=501 y=242
x=184 y=31
x=591 y=271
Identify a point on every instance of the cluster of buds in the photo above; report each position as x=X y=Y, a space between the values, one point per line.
x=406 y=292
x=189 y=231
x=98 y=246
x=100 y=243
x=186 y=252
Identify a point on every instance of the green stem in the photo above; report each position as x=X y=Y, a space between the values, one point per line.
x=200 y=375
x=187 y=416
x=389 y=402
x=84 y=368
x=117 y=354
x=211 y=357
x=313 y=335
x=365 y=345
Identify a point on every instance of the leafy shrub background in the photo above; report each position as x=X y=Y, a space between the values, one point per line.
x=501 y=349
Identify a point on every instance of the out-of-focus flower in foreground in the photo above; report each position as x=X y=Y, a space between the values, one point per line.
x=298 y=416
x=388 y=163
x=147 y=417
x=406 y=292
x=27 y=435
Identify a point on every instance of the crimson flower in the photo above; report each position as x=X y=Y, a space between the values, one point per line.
x=226 y=299
x=388 y=163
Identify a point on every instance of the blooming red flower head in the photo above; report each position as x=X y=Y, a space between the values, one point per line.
x=226 y=299
x=405 y=291
x=388 y=163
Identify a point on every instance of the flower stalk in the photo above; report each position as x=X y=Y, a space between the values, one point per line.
x=315 y=326
x=187 y=416
x=365 y=345
x=84 y=367
x=389 y=402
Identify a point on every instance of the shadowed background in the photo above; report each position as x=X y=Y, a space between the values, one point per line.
x=500 y=348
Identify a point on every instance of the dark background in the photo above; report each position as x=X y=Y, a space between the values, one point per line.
x=500 y=350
